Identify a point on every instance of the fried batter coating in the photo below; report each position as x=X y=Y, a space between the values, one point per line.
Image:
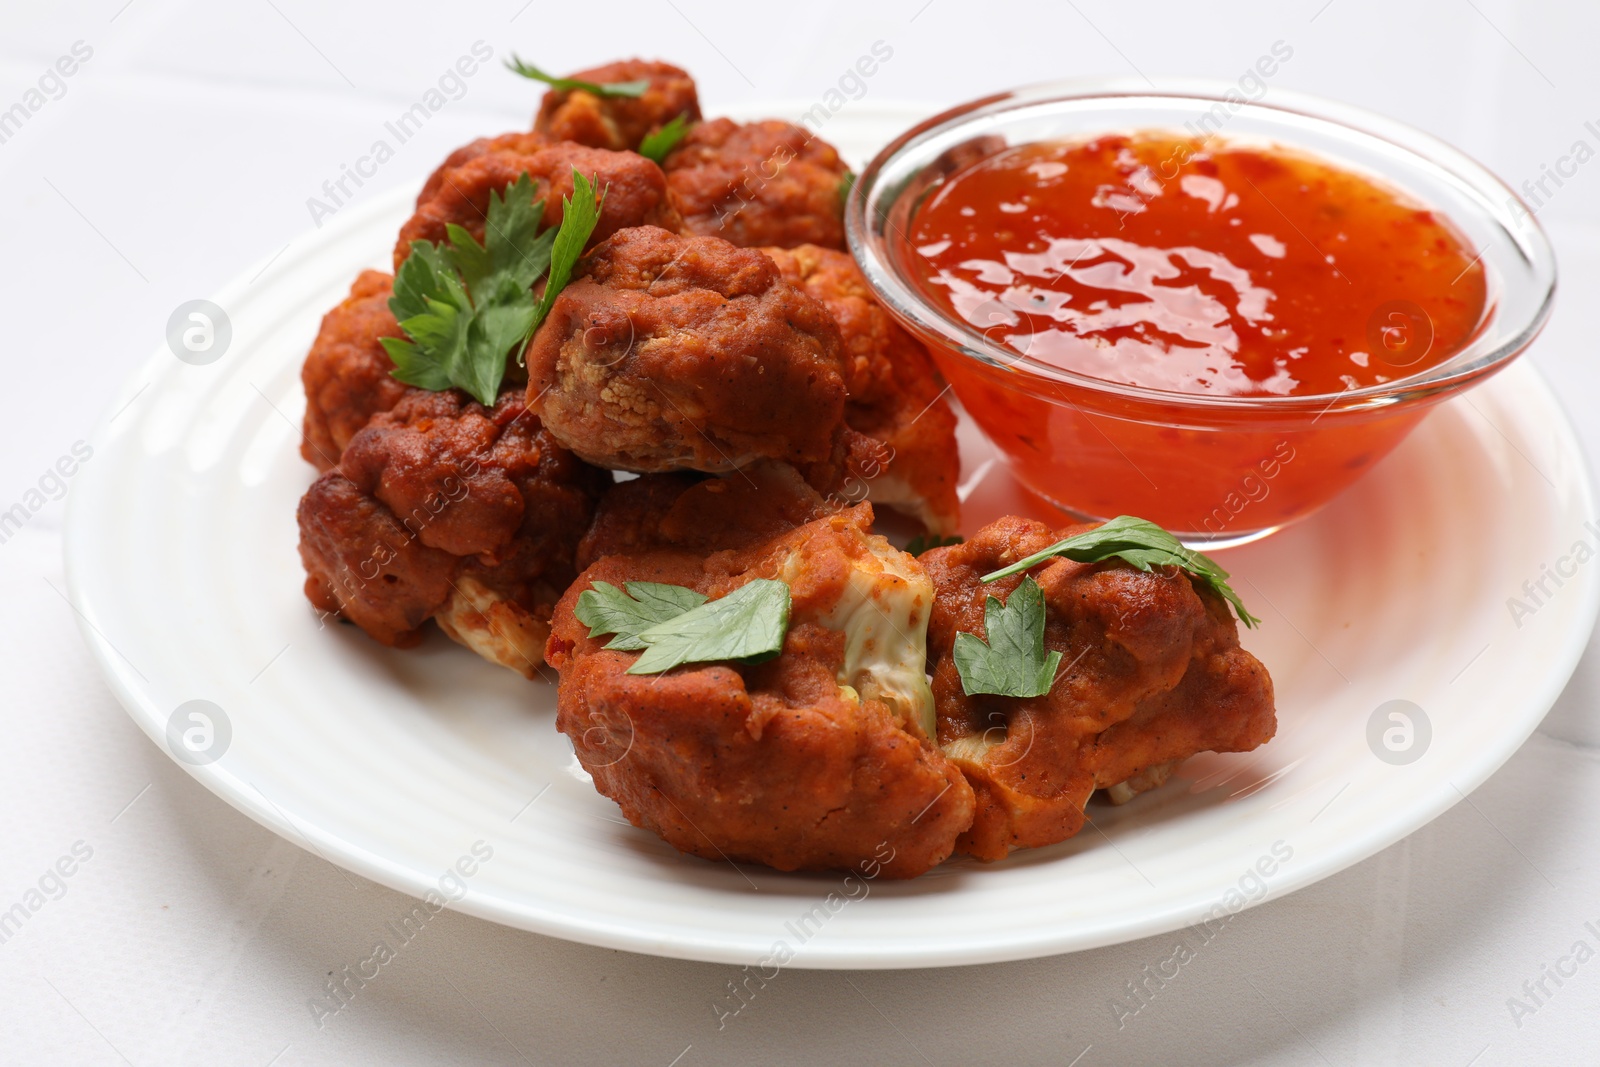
x=669 y=352
x=1151 y=674
x=627 y=520
x=656 y=510
x=346 y=373
x=761 y=183
x=635 y=190
x=618 y=122
x=815 y=759
x=896 y=394
x=445 y=509
x=363 y=563
x=519 y=142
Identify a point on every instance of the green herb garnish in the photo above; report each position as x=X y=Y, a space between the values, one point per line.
x=674 y=625
x=605 y=609
x=746 y=625
x=528 y=70
x=1013 y=662
x=463 y=305
x=658 y=143
x=579 y=214
x=846 y=184
x=1143 y=544
x=924 y=542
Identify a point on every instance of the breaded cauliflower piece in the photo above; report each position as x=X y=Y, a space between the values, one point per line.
x=819 y=758
x=347 y=373
x=619 y=123
x=758 y=184
x=635 y=190
x=1151 y=673
x=444 y=509
x=896 y=394
x=670 y=352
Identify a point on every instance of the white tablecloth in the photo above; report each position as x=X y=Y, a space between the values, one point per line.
x=184 y=145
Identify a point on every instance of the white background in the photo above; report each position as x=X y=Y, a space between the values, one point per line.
x=183 y=153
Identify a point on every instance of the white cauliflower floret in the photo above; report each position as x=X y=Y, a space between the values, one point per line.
x=883 y=613
x=496 y=628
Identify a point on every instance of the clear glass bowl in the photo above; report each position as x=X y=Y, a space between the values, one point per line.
x=1216 y=470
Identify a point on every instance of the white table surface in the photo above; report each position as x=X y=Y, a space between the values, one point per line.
x=184 y=150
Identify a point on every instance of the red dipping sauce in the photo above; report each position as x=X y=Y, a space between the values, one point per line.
x=1217 y=269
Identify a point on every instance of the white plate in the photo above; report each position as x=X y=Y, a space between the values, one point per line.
x=181 y=556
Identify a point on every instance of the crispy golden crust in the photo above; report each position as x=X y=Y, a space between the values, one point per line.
x=896 y=394
x=658 y=510
x=635 y=190
x=630 y=513
x=520 y=143
x=761 y=183
x=616 y=122
x=444 y=508
x=670 y=352
x=346 y=373
x=774 y=763
x=362 y=562
x=1151 y=673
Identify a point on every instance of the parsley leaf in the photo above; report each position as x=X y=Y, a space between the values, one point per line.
x=515 y=251
x=924 y=542
x=605 y=609
x=1013 y=662
x=528 y=70
x=847 y=185
x=658 y=143
x=580 y=213
x=747 y=625
x=464 y=305
x=1143 y=544
x=434 y=310
x=673 y=625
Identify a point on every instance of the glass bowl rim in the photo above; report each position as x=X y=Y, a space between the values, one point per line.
x=1475 y=360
